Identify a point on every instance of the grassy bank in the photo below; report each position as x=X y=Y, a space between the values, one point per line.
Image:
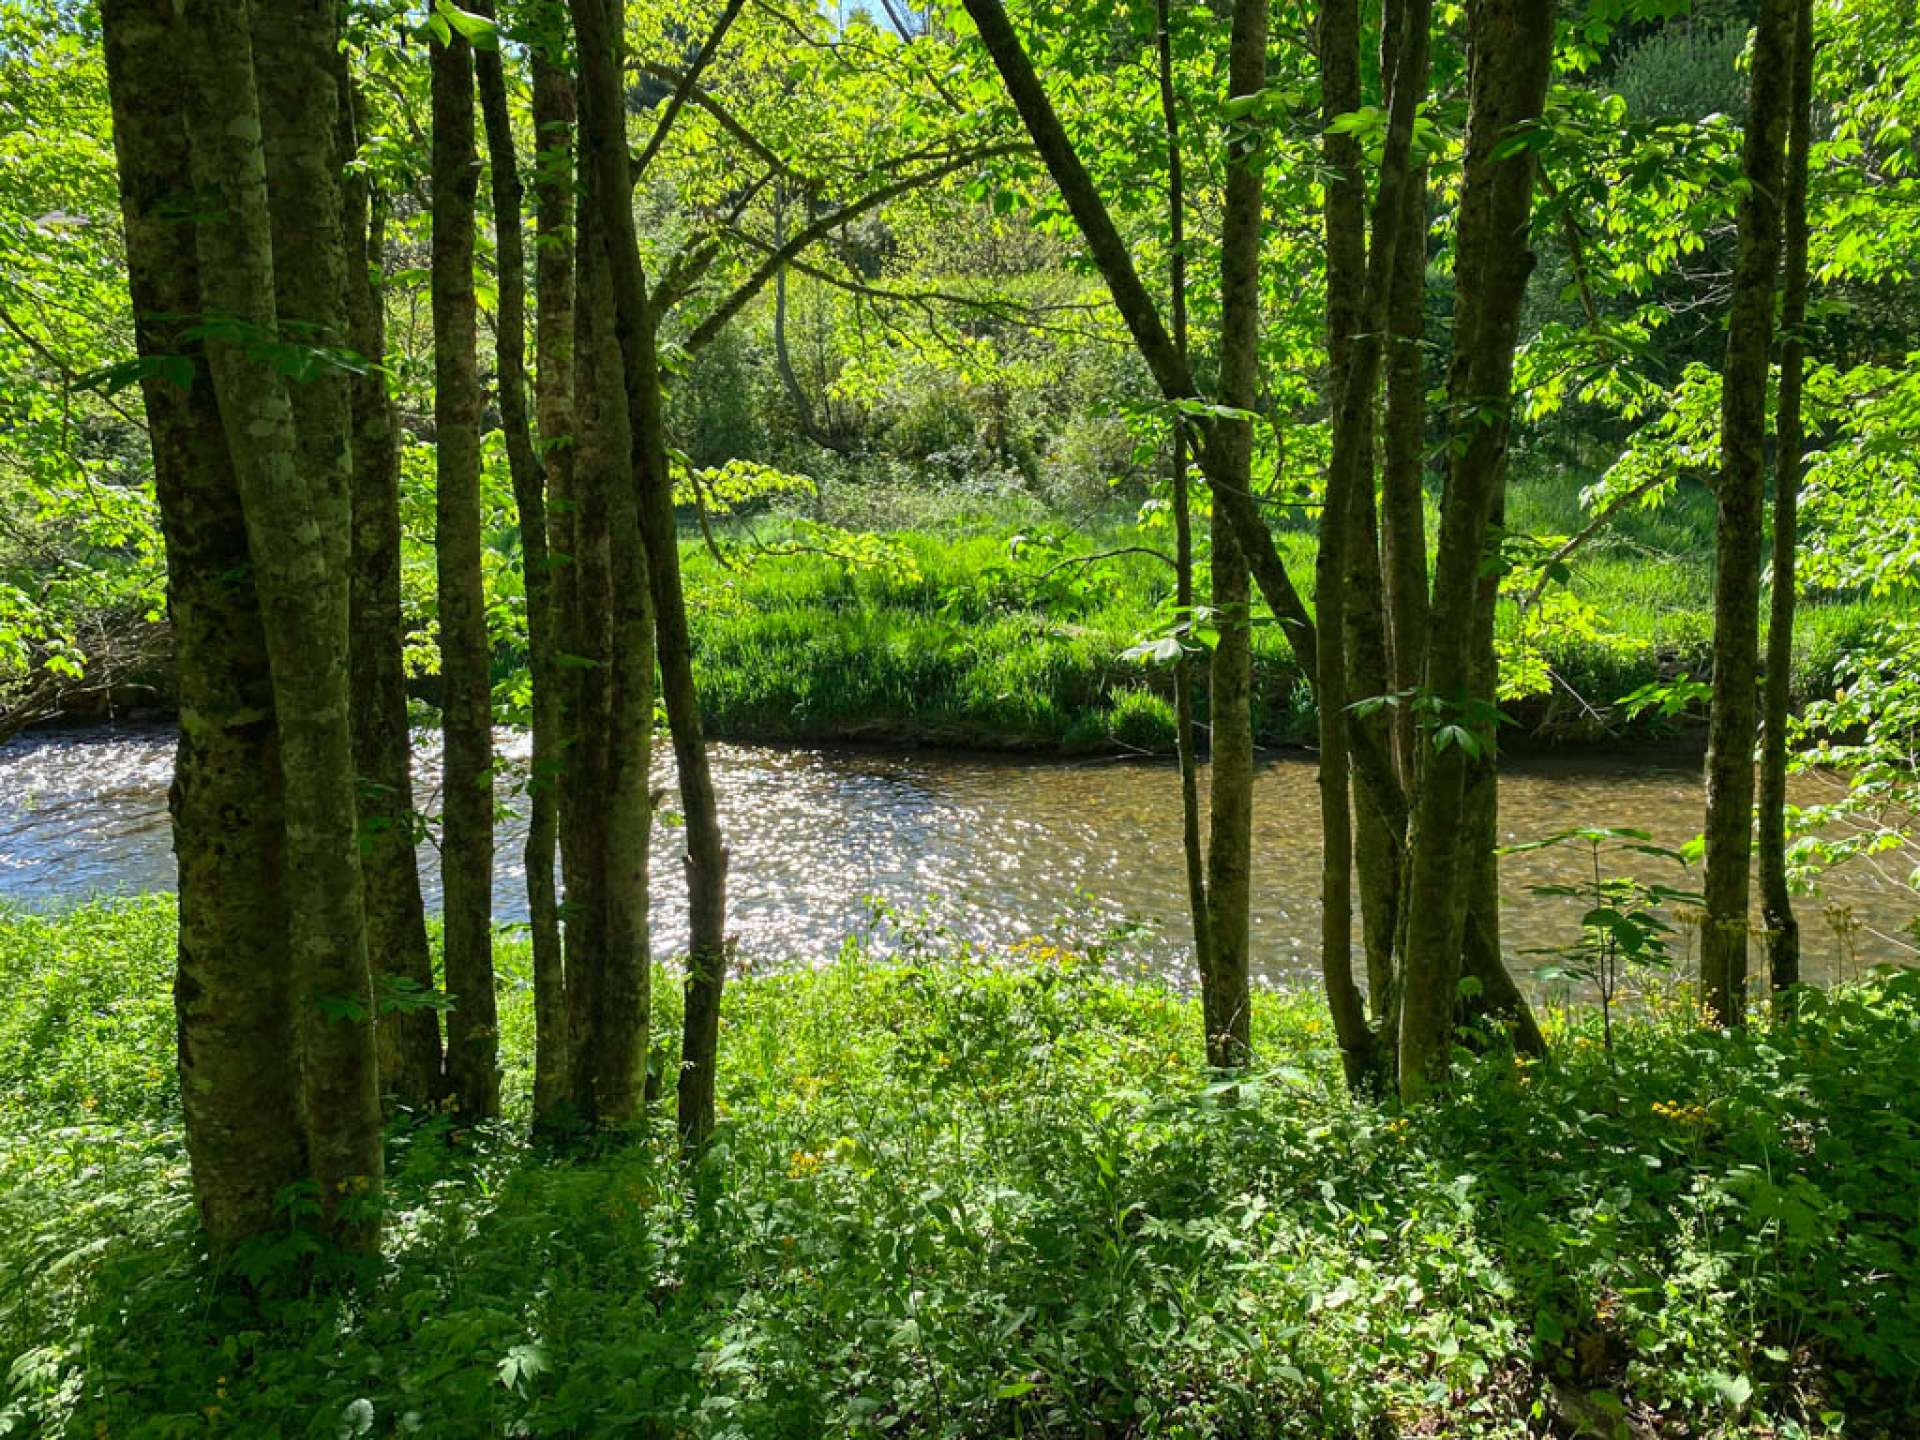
x=972 y=643
x=967 y=1199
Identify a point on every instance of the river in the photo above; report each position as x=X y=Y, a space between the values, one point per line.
x=994 y=848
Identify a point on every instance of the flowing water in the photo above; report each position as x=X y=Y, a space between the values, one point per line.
x=994 y=848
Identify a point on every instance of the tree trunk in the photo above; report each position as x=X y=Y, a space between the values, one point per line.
x=1783 y=927
x=589 y=584
x=1184 y=729
x=466 y=827
x=290 y=453
x=1739 y=525
x=1511 y=50
x=1226 y=984
x=1359 y=284
x=382 y=748
x=1493 y=996
x=706 y=855
x=1228 y=998
x=541 y=850
x=611 y=1011
x=553 y=117
x=233 y=987
x=1403 y=534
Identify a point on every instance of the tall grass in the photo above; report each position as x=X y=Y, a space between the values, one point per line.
x=977 y=643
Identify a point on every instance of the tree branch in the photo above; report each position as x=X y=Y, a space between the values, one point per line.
x=685 y=86
x=715 y=322
x=1136 y=306
x=725 y=119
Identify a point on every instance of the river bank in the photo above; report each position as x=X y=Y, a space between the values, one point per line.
x=990 y=628
x=991 y=1193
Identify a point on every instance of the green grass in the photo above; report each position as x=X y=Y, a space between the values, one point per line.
x=970 y=645
x=967 y=645
x=970 y=1195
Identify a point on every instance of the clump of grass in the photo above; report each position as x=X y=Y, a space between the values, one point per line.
x=964 y=1194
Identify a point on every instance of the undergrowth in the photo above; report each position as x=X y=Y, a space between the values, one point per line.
x=968 y=1194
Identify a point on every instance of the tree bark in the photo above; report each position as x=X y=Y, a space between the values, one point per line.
x=1226 y=984
x=1359 y=284
x=1403 y=535
x=1184 y=728
x=541 y=850
x=553 y=117
x=397 y=946
x=1741 y=496
x=1511 y=52
x=588 y=588
x=1228 y=1003
x=291 y=460
x=1783 y=927
x=611 y=1031
x=233 y=984
x=466 y=827
x=634 y=323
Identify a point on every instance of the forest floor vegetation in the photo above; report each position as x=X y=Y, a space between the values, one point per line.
x=968 y=1194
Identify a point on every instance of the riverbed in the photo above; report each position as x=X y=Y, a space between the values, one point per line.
x=991 y=848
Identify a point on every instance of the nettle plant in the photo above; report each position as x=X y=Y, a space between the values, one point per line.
x=1625 y=927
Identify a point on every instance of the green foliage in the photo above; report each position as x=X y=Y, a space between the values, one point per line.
x=972 y=1194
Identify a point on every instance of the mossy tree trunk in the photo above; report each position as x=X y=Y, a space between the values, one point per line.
x=586 y=586
x=1739 y=525
x=233 y=987
x=1349 y=595
x=382 y=746
x=1776 y=897
x=1228 y=998
x=261 y=108
x=1511 y=53
x=1185 y=732
x=541 y=850
x=466 y=807
x=553 y=117
x=609 y=972
x=705 y=857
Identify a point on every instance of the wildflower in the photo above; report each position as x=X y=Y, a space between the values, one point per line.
x=803 y=1162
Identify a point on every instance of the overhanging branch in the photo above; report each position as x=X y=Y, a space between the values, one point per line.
x=715 y=322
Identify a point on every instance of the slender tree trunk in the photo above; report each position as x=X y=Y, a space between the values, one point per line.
x=1230 y=852
x=1511 y=53
x=1403 y=536
x=1226 y=984
x=1740 y=522
x=1345 y=219
x=594 y=467
x=634 y=323
x=611 y=1023
x=466 y=835
x=1783 y=927
x=553 y=117
x=541 y=850
x=1493 y=995
x=1184 y=728
x=1359 y=284
x=289 y=443
x=382 y=746
x=233 y=987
